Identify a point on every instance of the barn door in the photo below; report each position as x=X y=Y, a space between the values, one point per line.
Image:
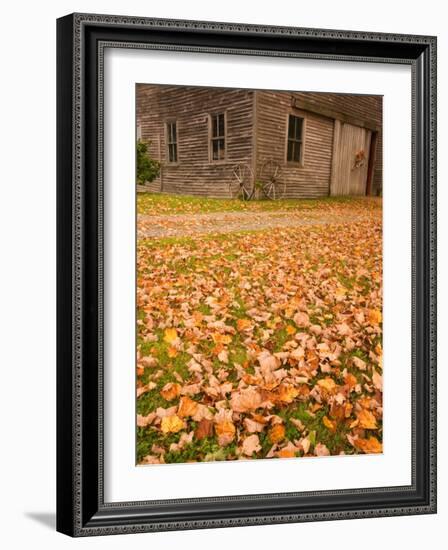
x=351 y=150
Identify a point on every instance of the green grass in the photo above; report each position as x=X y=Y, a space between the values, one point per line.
x=162 y=203
x=194 y=242
x=335 y=442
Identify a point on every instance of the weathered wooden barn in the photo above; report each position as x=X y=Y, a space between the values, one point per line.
x=324 y=143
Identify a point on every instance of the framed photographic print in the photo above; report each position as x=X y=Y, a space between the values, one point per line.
x=246 y=274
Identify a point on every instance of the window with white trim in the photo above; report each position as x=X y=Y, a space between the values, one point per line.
x=171 y=141
x=295 y=139
x=218 y=137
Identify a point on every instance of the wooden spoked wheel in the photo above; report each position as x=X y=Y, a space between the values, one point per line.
x=242 y=183
x=272 y=185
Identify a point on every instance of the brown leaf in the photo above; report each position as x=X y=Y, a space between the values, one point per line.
x=143 y=421
x=337 y=411
x=252 y=426
x=329 y=424
x=305 y=443
x=146 y=388
x=202 y=412
x=151 y=459
x=251 y=445
x=219 y=338
x=321 y=450
x=172 y=352
x=245 y=400
x=277 y=433
x=370 y=445
x=377 y=380
x=286 y=453
x=223 y=356
x=170 y=391
x=301 y=319
x=350 y=380
x=185 y=439
x=243 y=324
x=190 y=389
x=225 y=431
x=348 y=409
x=312 y=359
x=359 y=363
x=328 y=384
x=148 y=361
x=204 y=429
x=187 y=407
x=161 y=412
x=375 y=317
x=366 y=420
x=268 y=362
x=286 y=393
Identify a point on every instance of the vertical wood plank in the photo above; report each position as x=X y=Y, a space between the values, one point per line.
x=335 y=157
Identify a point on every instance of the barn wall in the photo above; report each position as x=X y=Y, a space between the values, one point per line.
x=190 y=106
x=148 y=120
x=313 y=178
x=366 y=109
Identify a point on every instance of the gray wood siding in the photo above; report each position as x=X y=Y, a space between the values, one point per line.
x=365 y=109
x=312 y=178
x=191 y=107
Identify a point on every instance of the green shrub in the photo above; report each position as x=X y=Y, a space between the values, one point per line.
x=147 y=168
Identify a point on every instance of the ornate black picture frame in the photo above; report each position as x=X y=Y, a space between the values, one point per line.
x=81 y=509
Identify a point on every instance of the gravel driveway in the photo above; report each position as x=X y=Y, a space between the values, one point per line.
x=224 y=222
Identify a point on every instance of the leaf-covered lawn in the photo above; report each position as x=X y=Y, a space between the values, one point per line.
x=260 y=344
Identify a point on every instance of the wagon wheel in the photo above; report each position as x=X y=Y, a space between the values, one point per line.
x=242 y=182
x=272 y=186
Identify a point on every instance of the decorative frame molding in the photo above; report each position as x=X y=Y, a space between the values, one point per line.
x=81 y=510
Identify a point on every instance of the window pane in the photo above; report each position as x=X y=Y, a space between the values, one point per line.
x=295 y=130
x=295 y=126
x=291 y=127
x=172 y=152
x=221 y=125
x=171 y=132
x=217 y=137
x=290 y=150
x=298 y=128
x=218 y=125
x=297 y=147
x=171 y=136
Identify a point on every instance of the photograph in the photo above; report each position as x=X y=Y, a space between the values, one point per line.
x=259 y=286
